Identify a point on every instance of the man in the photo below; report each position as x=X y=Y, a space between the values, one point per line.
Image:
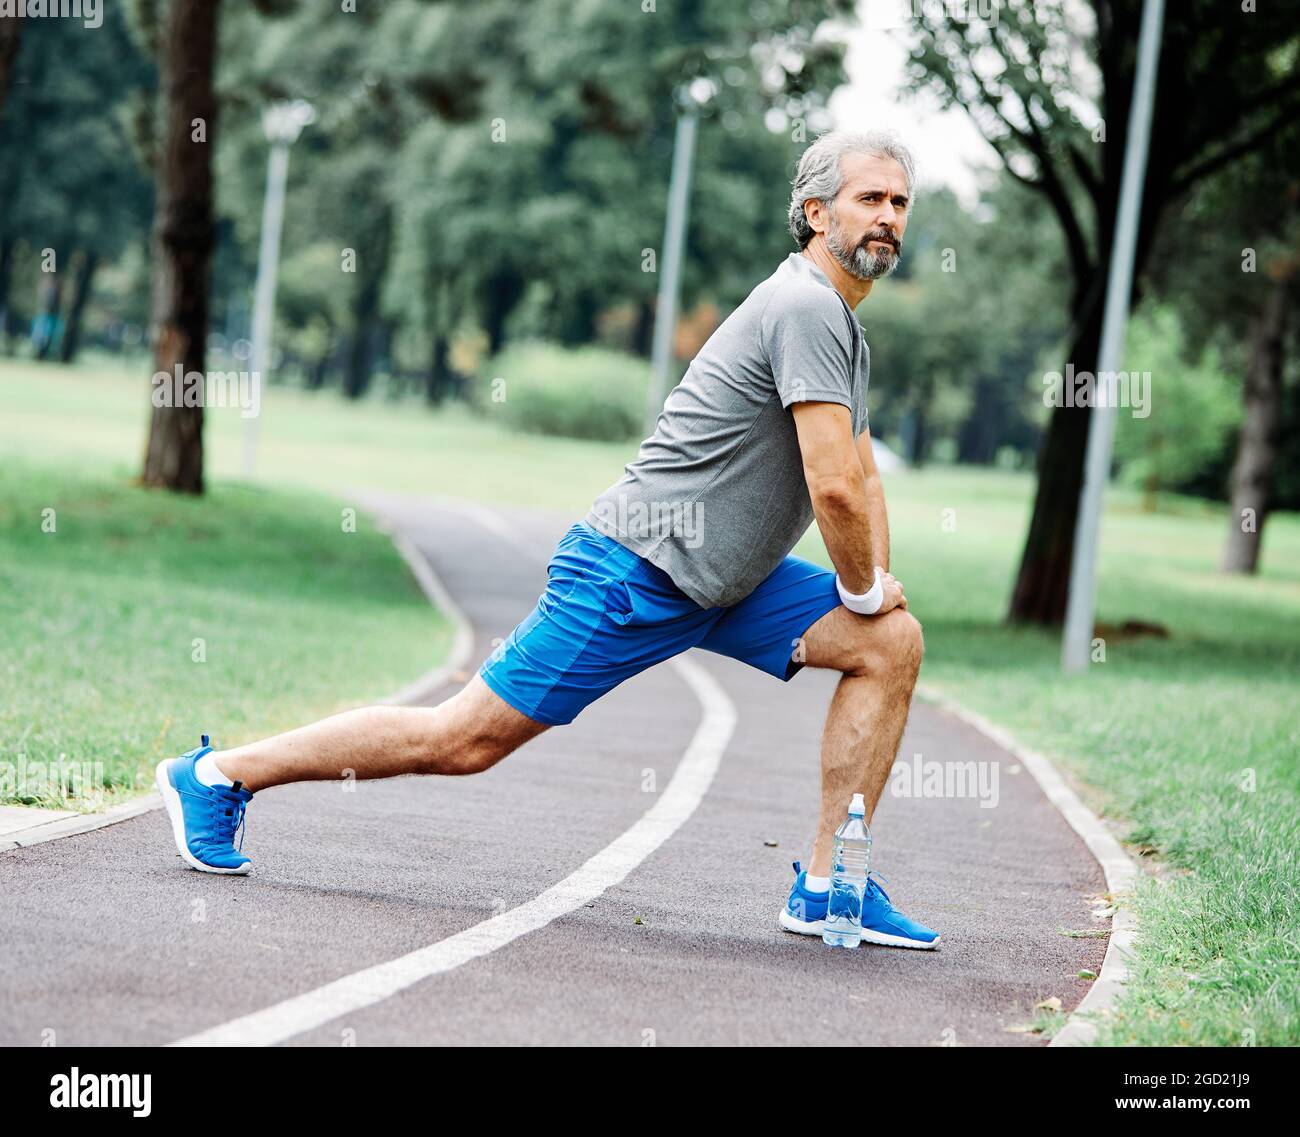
x=767 y=430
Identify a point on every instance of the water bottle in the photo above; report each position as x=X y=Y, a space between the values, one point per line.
x=850 y=857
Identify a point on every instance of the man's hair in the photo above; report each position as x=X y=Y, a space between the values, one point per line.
x=821 y=172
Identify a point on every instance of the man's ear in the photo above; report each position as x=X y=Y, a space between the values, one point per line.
x=813 y=210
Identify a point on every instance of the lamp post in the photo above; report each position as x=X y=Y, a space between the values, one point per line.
x=282 y=124
x=1076 y=643
x=689 y=99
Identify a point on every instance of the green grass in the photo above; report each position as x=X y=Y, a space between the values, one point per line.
x=1162 y=737
x=131 y=620
x=1190 y=742
x=95 y=418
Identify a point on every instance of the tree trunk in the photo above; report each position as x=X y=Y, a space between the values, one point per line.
x=1252 y=476
x=361 y=354
x=7 y=246
x=365 y=310
x=320 y=366
x=643 y=329
x=10 y=30
x=920 y=437
x=438 y=380
x=1042 y=584
x=979 y=435
x=183 y=237
x=80 y=295
x=503 y=292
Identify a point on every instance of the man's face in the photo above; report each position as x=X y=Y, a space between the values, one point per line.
x=865 y=223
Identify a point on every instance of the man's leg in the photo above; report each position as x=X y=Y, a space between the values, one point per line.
x=879 y=657
x=466 y=734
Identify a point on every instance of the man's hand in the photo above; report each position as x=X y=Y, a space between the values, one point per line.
x=894 y=595
x=885 y=594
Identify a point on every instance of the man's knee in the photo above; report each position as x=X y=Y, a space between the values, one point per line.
x=910 y=645
x=483 y=729
x=892 y=645
x=481 y=752
x=486 y=739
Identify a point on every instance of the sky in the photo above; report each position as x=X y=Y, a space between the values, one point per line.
x=949 y=150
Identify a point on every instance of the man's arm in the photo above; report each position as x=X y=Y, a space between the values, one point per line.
x=850 y=514
x=878 y=517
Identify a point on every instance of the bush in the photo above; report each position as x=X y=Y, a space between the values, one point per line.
x=1195 y=406
x=589 y=392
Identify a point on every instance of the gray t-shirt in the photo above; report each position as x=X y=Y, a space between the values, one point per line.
x=716 y=496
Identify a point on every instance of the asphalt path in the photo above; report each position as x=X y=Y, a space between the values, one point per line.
x=615 y=882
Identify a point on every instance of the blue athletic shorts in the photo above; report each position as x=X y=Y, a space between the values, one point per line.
x=608 y=614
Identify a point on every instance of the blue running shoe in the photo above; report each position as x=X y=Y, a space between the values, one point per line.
x=804 y=912
x=882 y=923
x=204 y=819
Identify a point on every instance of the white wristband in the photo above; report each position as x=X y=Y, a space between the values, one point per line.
x=866 y=604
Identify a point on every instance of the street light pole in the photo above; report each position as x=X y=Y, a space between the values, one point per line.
x=1076 y=644
x=670 y=274
x=282 y=123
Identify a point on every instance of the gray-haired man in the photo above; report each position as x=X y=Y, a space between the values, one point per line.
x=690 y=548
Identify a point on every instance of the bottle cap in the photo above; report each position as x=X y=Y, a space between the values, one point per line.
x=857 y=807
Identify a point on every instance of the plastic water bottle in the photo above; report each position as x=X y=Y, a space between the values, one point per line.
x=850 y=859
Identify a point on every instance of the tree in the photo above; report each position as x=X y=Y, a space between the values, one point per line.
x=541 y=203
x=183 y=238
x=1253 y=472
x=1224 y=89
x=70 y=179
x=11 y=28
x=374 y=75
x=1246 y=219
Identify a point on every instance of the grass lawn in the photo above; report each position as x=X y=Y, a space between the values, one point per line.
x=143 y=619
x=1189 y=742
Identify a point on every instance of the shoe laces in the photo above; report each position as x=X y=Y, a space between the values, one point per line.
x=230 y=821
x=226 y=818
x=876 y=888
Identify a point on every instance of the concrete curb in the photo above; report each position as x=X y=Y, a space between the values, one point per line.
x=45 y=827
x=1118 y=868
x=50 y=830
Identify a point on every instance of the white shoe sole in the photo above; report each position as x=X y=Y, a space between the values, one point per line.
x=800 y=927
x=172 y=800
x=815 y=928
x=899 y=941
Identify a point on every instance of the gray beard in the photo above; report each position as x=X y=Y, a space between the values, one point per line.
x=858 y=260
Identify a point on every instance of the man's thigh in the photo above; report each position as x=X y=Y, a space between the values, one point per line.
x=478 y=712
x=768 y=629
x=605 y=616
